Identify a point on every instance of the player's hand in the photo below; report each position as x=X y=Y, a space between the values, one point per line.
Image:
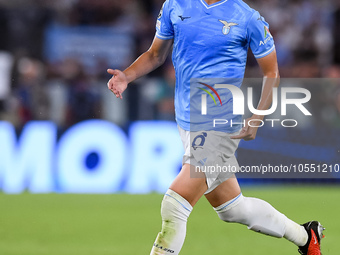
x=118 y=83
x=248 y=132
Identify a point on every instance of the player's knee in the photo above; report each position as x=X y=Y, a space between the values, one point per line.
x=175 y=211
x=235 y=210
x=174 y=207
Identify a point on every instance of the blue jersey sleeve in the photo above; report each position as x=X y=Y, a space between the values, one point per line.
x=259 y=38
x=164 y=28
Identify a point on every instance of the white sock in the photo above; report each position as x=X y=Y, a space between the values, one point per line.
x=261 y=217
x=295 y=233
x=175 y=211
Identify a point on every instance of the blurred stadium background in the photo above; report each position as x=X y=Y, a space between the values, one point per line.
x=62 y=131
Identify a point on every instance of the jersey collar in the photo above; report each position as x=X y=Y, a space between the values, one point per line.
x=212 y=5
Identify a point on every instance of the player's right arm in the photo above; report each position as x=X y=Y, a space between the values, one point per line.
x=147 y=62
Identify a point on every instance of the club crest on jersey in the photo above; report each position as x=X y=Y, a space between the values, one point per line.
x=227 y=26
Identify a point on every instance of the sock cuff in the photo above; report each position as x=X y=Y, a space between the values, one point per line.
x=229 y=204
x=179 y=199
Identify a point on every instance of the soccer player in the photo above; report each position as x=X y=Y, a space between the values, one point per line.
x=210 y=39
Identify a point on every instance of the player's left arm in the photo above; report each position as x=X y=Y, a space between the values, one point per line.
x=271 y=79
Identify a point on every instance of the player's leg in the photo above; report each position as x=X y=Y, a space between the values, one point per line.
x=177 y=204
x=258 y=215
x=226 y=191
x=189 y=187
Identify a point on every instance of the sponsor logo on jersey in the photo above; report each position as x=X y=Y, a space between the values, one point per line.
x=227 y=26
x=267 y=35
x=183 y=18
x=265 y=41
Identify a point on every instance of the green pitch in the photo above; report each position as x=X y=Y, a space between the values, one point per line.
x=121 y=224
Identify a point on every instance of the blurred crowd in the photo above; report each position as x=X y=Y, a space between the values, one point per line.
x=306 y=33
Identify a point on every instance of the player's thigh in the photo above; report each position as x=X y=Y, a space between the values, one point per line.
x=224 y=192
x=189 y=187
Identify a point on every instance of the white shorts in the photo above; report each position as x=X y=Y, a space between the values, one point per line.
x=211 y=152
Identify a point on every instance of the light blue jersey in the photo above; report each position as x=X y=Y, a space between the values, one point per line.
x=210 y=41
